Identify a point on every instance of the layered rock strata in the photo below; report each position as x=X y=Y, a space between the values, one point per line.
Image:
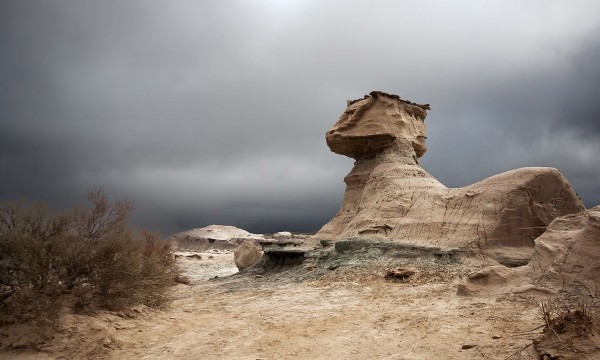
x=218 y=237
x=565 y=260
x=389 y=196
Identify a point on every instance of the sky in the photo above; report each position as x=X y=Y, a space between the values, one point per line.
x=215 y=112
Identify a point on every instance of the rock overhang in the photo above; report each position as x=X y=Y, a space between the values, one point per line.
x=372 y=124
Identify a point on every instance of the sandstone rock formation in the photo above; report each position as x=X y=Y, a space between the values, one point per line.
x=247 y=255
x=283 y=235
x=371 y=125
x=567 y=255
x=565 y=259
x=390 y=197
x=214 y=237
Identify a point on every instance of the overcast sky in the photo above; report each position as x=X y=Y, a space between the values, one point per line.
x=215 y=112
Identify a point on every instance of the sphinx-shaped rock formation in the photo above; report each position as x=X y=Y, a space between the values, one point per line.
x=390 y=197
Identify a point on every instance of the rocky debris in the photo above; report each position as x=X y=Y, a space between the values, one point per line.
x=219 y=237
x=187 y=254
x=393 y=96
x=399 y=274
x=247 y=255
x=390 y=197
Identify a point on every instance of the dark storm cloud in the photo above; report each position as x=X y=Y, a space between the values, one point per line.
x=215 y=112
x=546 y=117
x=578 y=104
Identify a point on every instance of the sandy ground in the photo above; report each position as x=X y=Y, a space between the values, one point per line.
x=341 y=315
x=199 y=266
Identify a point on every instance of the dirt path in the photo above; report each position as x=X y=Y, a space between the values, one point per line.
x=274 y=318
x=369 y=318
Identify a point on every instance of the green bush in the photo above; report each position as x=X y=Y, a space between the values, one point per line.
x=90 y=253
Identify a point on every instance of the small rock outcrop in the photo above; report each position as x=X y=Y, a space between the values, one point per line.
x=213 y=237
x=389 y=196
x=283 y=235
x=247 y=255
x=565 y=260
x=568 y=253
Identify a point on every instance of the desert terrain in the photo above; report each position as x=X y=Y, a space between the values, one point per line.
x=505 y=268
x=346 y=313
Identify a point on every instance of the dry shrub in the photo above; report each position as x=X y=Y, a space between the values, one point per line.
x=570 y=328
x=561 y=316
x=88 y=252
x=143 y=276
x=29 y=274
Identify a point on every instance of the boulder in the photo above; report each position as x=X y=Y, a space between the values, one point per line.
x=390 y=196
x=247 y=255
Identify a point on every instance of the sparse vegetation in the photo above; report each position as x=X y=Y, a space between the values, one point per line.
x=88 y=255
x=569 y=328
x=561 y=316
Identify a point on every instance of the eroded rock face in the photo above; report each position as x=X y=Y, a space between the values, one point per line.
x=565 y=259
x=389 y=196
x=213 y=237
x=372 y=124
x=567 y=255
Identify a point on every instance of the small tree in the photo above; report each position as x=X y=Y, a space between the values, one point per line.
x=29 y=258
x=90 y=252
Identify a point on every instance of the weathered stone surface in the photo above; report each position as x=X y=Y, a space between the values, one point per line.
x=565 y=258
x=371 y=125
x=388 y=195
x=247 y=255
x=283 y=235
x=568 y=253
x=218 y=237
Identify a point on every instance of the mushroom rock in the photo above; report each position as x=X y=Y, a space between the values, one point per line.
x=390 y=197
x=371 y=125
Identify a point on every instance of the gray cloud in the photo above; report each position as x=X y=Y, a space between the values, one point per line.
x=546 y=117
x=215 y=112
